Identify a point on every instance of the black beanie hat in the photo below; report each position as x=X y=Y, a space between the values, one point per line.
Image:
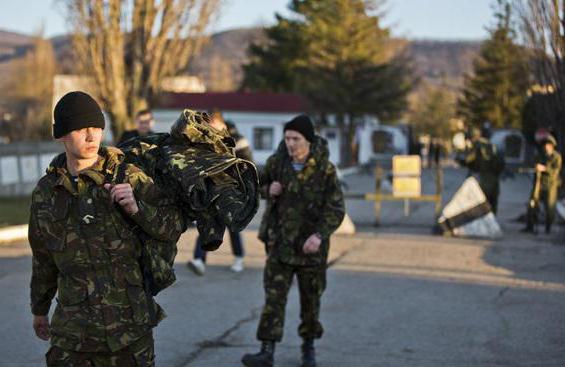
x=75 y=111
x=303 y=125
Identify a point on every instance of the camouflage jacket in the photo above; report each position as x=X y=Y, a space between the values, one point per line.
x=550 y=179
x=484 y=159
x=85 y=250
x=198 y=166
x=311 y=202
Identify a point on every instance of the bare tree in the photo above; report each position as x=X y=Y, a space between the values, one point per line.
x=128 y=47
x=543 y=29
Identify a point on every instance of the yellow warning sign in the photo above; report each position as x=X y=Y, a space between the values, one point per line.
x=406 y=187
x=406 y=165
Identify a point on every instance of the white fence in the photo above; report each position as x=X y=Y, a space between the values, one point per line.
x=23 y=164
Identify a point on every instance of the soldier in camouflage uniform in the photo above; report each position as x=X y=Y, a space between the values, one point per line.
x=85 y=248
x=546 y=184
x=304 y=207
x=484 y=159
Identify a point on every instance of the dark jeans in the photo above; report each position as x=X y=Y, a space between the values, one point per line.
x=236 y=247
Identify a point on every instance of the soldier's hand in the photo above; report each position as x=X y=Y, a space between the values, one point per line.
x=275 y=189
x=312 y=244
x=540 y=168
x=41 y=327
x=123 y=195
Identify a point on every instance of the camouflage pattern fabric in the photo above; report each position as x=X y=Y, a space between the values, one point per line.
x=197 y=164
x=141 y=353
x=311 y=202
x=550 y=179
x=549 y=185
x=277 y=280
x=482 y=159
x=85 y=250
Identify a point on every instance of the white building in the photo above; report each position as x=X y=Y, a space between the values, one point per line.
x=260 y=117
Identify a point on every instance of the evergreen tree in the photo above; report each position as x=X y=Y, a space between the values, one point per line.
x=337 y=54
x=434 y=111
x=497 y=89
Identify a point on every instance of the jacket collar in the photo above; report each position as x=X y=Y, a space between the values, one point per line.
x=109 y=159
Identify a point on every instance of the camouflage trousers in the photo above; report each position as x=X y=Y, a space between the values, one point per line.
x=139 y=354
x=277 y=279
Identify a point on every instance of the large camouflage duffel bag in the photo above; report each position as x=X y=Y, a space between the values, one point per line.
x=195 y=166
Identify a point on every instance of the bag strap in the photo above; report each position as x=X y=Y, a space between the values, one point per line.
x=119 y=177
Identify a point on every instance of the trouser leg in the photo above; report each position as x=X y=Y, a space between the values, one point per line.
x=236 y=244
x=277 y=279
x=311 y=285
x=550 y=202
x=199 y=253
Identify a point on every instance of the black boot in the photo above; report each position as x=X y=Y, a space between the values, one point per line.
x=264 y=358
x=308 y=353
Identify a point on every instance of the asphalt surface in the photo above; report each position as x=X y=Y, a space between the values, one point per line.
x=396 y=296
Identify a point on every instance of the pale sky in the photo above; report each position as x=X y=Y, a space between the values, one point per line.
x=439 y=19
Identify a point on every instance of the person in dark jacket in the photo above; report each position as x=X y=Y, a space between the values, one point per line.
x=144 y=123
x=243 y=151
x=304 y=207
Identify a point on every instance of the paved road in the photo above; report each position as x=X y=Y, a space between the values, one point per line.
x=396 y=296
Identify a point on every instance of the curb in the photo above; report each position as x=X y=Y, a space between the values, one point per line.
x=13 y=233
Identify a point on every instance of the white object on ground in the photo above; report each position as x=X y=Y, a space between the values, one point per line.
x=14 y=233
x=467 y=207
x=346 y=227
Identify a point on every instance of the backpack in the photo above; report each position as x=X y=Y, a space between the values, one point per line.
x=157 y=257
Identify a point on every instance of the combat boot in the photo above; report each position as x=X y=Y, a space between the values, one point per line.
x=308 y=353
x=265 y=357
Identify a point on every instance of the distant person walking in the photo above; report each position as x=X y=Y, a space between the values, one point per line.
x=144 y=123
x=484 y=159
x=546 y=184
x=243 y=151
x=304 y=207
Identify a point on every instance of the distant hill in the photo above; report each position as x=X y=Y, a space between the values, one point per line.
x=219 y=63
x=13 y=45
x=434 y=61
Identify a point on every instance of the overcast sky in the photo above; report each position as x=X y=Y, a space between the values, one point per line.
x=439 y=19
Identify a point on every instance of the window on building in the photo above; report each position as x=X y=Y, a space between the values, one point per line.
x=382 y=142
x=263 y=138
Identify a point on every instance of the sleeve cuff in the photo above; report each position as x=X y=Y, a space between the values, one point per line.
x=40 y=310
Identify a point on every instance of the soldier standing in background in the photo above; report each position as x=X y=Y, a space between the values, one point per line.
x=85 y=247
x=242 y=150
x=304 y=207
x=484 y=159
x=546 y=184
x=144 y=123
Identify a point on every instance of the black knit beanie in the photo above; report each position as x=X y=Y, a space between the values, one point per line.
x=303 y=125
x=75 y=111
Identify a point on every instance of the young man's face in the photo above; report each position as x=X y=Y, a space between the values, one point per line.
x=218 y=124
x=144 y=123
x=296 y=144
x=83 y=143
x=549 y=148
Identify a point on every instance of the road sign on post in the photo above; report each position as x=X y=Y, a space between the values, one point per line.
x=406 y=173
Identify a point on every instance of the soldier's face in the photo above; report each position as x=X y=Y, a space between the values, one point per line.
x=83 y=143
x=217 y=124
x=144 y=123
x=549 y=148
x=296 y=144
